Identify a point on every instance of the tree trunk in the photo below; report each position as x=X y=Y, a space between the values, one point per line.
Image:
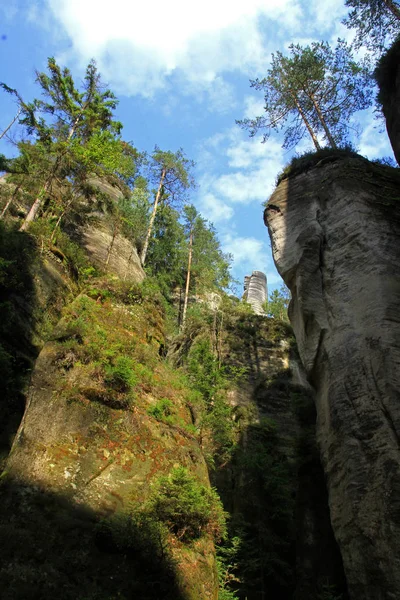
x=307 y=124
x=8 y=204
x=187 y=279
x=115 y=233
x=35 y=207
x=153 y=216
x=394 y=9
x=38 y=202
x=323 y=122
x=11 y=124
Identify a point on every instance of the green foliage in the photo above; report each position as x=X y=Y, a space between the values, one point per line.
x=377 y=22
x=210 y=266
x=162 y=409
x=278 y=303
x=66 y=249
x=268 y=513
x=300 y=163
x=188 y=508
x=329 y=592
x=227 y=568
x=315 y=90
x=166 y=255
x=74 y=137
x=178 y=177
x=120 y=374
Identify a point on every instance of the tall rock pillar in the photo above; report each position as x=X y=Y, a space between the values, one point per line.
x=335 y=233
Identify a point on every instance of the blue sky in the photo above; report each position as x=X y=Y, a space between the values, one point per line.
x=181 y=71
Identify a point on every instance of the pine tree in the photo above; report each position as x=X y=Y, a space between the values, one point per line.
x=171 y=173
x=74 y=129
x=377 y=22
x=314 y=90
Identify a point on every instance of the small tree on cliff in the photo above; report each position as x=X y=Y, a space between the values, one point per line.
x=376 y=22
x=314 y=90
x=73 y=129
x=171 y=173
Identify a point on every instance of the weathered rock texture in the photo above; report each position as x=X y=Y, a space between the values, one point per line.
x=100 y=244
x=255 y=291
x=86 y=457
x=274 y=485
x=335 y=233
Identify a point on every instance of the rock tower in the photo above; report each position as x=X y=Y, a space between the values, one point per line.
x=255 y=291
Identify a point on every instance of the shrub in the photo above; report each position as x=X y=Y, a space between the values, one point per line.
x=162 y=409
x=188 y=508
x=121 y=375
x=301 y=163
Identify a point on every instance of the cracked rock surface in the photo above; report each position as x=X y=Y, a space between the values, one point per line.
x=335 y=234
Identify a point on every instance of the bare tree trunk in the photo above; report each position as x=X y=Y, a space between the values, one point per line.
x=115 y=233
x=153 y=216
x=307 y=124
x=38 y=202
x=35 y=207
x=8 y=204
x=323 y=122
x=11 y=124
x=187 y=278
x=59 y=219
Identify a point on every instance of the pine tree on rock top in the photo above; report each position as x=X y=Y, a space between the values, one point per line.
x=314 y=90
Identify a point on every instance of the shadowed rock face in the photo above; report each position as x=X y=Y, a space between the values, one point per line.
x=388 y=78
x=255 y=291
x=335 y=233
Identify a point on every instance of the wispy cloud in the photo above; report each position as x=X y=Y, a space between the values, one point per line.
x=250 y=168
x=141 y=46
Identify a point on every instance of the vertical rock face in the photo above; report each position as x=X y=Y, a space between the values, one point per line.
x=87 y=457
x=255 y=291
x=335 y=233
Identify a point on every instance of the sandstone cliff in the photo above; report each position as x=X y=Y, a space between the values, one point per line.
x=93 y=443
x=335 y=231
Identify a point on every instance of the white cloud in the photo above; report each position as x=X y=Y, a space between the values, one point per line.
x=139 y=46
x=246 y=250
x=374 y=143
x=253 y=107
x=215 y=209
x=251 y=167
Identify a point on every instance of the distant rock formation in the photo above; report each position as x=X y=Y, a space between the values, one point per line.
x=255 y=291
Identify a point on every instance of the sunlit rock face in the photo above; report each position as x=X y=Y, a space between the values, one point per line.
x=255 y=291
x=335 y=233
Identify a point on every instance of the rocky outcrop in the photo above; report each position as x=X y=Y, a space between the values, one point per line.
x=274 y=485
x=94 y=440
x=335 y=232
x=255 y=291
x=111 y=251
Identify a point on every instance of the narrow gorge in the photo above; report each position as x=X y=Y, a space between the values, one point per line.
x=162 y=438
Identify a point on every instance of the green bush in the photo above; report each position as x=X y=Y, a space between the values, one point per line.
x=120 y=375
x=301 y=163
x=188 y=508
x=163 y=408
